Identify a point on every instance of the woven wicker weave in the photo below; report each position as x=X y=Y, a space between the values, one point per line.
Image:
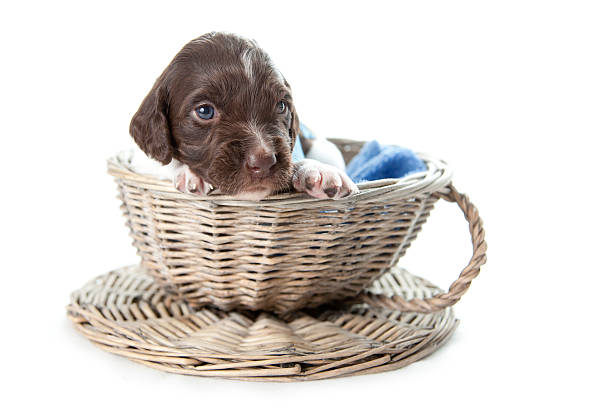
x=289 y=251
x=127 y=313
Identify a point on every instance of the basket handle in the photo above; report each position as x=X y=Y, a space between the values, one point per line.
x=459 y=286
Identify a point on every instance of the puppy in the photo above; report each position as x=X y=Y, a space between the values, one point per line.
x=221 y=117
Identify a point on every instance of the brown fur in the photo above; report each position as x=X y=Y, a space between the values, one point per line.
x=210 y=69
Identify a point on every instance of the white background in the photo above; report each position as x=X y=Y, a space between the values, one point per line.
x=516 y=96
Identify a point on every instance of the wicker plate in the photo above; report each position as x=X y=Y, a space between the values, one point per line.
x=127 y=313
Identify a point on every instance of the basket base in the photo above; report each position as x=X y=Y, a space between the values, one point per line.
x=125 y=312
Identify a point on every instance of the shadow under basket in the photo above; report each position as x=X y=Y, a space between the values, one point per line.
x=289 y=251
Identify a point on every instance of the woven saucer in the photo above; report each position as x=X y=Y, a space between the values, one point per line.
x=127 y=313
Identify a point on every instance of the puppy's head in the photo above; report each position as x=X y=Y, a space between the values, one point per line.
x=223 y=109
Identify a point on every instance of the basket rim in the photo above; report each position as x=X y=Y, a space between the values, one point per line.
x=437 y=176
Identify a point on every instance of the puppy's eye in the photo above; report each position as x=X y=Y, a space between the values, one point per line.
x=281 y=107
x=205 y=111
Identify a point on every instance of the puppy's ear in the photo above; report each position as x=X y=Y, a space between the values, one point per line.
x=149 y=126
x=294 y=124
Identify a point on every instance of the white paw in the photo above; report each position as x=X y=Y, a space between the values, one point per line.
x=187 y=181
x=322 y=180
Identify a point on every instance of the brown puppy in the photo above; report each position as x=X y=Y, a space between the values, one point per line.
x=223 y=116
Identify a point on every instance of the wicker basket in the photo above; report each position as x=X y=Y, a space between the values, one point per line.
x=289 y=251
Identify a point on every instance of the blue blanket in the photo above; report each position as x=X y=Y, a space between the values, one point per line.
x=374 y=161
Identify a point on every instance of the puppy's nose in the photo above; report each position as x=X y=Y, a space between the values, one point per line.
x=260 y=163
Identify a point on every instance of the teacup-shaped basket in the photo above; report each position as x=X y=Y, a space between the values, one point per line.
x=289 y=251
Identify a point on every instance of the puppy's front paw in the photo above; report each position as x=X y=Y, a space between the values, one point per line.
x=322 y=180
x=187 y=181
